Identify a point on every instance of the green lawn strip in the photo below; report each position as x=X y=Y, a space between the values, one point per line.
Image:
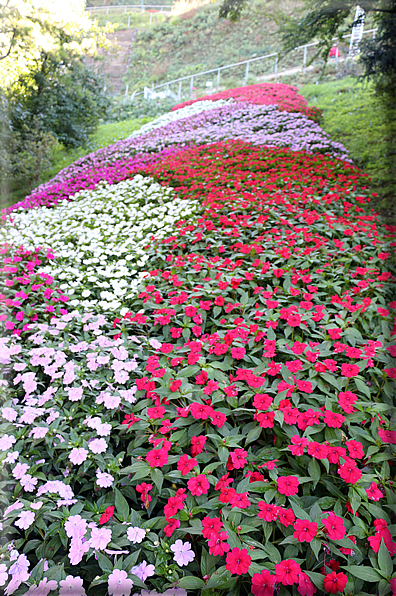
x=353 y=116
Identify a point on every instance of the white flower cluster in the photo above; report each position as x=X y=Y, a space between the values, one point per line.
x=195 y=108
x=99 y=238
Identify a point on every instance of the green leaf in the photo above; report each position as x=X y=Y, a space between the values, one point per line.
x=121 y=506
x=367 y=574
x=314 y=471
x=208 y=562
x=253 y=434
x=158 y=478
x=316 y=578
x=384 y=559
x=298 y=510
x=219 y=579
x=190 y=582
x=104 y=563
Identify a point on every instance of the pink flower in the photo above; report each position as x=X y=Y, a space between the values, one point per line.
x=75 y=526
x=334 y=526
x=198 y=485
x=183 y=555
x=119 y=584
x=25 y=520
x=100 y=538
x=71 y=586
x=263 y=583
x=78 y=455
x=104 y=480
x=78 y=549
x=304 y=530
x=97 y=446
x=373 y=493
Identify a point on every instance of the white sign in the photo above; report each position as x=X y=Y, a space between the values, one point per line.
x=357 y=29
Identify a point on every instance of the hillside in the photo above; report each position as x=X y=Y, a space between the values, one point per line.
x=198 y=40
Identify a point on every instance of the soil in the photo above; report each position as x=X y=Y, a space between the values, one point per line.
x=113 y=63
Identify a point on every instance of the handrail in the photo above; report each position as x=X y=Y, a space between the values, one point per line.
x=126 y=6
x=247 y=62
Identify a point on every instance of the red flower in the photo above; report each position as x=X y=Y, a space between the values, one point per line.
x=335 y=582
x=197 y=445
x=355 y=449
x=262 y=401
x=175 y=385
x=199 y=485
x=288 y=485
x=349 y=471
x=334 y=526
x=286 y=516
x=298 y=445
x=157 y=458
x=217 y=545
x=287 y=572
x=304 y=530
x=211 y=525
x=373 y=493
x=154 y=413
x=333 y=420
x=268 y=512
x=185 y=464
x=108 y=514
x=346 y=399
x=349 y=370
x=238 y=561
x=238 y=458
x=263 y=583
x=240 y=500
x=238 y=353
x=173 y=524
x=305 y=586
x=218 y=419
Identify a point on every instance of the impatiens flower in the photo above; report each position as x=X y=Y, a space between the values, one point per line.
x=183 y=555
x=97 y=446
x=349 y=370
x=218 y=544
x=335 y=582
x=78 y=548
x=355 y=449
x=44 y=587
x=333 y=420
x=71 y=586
x=334 y=526
x=107 y=515
x=197 y=445
x=287 y=485
x=349 y=471
x=238 y=458
x=305 y=586
x=103 y=479
x=25 y=520
x=211 y=525
x=119 y=584
x=287 y=572
x=100 y=538
x=136 y=535
x=157 y=458
x=304 y=530
x=78 y=455
x=298 y=445
x=263 y=583
x=186 y=464
x=346 y=399
x=238 y=561
x=198 y=485
x=3 y=574
x=75 y=526
x=373 y=493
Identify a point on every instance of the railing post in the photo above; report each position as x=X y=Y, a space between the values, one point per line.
x=218 y=80
x=180 y=88
x=107 y=12
x=129 y=21
x=191 y=85
x=247 y=71
x=276 y=67
x=305 y=59
x=125 y=9
x=142 y=5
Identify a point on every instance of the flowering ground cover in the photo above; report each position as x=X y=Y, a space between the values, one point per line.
x=226 y=427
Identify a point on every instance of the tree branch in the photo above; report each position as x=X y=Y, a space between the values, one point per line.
x=10 y=48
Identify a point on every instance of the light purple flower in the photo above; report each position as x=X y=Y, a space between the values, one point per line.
x=37 y=505
x=6 y=442
x=28 y=483
x=100 y=538
x=183 y=553
x=71 y=586
x=78 y=455
x=43 y=588
x=20 y=470
x=75 y=393
x=119 y=584
x=12 y=456
x=136 y=535
x=76 y=526
x=78 y=548
x=38 y=432
x=104 y=480
x=9 y=414
x=3 y=574
x=154 y=343
x=25 y=520
x=143 y=571
x=97 y=446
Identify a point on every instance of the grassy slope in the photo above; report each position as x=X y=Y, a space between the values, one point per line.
x=352 y=116
x=199 y=40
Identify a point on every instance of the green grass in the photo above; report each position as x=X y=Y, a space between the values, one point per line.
x=353 y=116
x=106 y=134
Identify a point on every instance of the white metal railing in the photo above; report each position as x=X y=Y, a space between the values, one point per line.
x=130 y=8
x=228 y=66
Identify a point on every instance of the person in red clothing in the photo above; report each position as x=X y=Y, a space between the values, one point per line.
x=334 y=52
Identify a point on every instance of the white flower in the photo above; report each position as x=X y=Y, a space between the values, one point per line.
x=25 y=520
x=183 y=553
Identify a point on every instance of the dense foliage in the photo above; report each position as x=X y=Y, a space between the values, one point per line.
x=226 y=427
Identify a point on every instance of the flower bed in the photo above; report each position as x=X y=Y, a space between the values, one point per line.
x=228 y=429
x=286 y=97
